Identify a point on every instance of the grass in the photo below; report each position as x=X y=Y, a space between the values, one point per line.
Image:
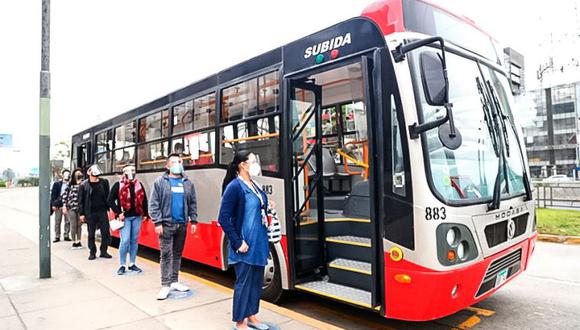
x=558 y=222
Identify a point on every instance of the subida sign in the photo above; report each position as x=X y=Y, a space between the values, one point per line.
x=327 y=45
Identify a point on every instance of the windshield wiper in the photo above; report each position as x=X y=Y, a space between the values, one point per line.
x=487 y=116
x=505 y=117
x=496 y=141
x=501 y=115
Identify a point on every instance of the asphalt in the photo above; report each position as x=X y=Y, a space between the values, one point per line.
x=546 y=296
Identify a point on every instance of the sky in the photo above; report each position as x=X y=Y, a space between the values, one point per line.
x=110 y=56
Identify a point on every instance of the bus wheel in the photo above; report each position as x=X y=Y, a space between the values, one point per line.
x=272 y=285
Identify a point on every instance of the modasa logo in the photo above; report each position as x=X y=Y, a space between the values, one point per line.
x=327 y=45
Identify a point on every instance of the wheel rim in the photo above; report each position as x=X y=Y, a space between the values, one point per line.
x=269 y=272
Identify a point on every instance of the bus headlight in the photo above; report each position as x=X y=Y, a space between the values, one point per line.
x=461 y=250
x=455 y=244
x=451 y=236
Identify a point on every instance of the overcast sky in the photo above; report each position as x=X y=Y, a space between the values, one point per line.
x=108 y=56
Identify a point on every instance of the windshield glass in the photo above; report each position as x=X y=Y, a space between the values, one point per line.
x=468 y=173
x=515 y=168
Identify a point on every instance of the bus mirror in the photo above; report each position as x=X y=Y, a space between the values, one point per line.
x=433 y=77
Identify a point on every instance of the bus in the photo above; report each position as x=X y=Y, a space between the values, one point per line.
x=389 y=144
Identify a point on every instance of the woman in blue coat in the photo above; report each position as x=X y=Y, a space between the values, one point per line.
x=244 y=221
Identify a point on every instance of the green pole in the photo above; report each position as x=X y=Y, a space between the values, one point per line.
x=44 y=147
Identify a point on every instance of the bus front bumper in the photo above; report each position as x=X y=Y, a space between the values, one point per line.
x=431 y=294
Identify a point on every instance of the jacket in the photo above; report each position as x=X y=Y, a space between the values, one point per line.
x=231 y=216
x=115 y=202
x=160 y=201
x=71 y=198
x=85 y=194
x=55 y=196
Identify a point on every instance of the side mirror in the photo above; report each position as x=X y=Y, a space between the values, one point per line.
x=436 y=87
x=433 y=77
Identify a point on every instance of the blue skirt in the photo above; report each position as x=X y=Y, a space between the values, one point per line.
x=247 y=290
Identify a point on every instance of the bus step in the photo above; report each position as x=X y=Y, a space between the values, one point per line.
x=339 y=292
x=351 y=273
x=350 y=240
x=349 y=247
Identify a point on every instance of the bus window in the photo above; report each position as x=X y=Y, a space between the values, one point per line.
x=105 y=141
x=123 y=157
x=268 y=90
x=398 y=162
x=196 y=148
x=154 y=126
x=183 y=117
x=204 y=111
x=104 y=161
x=125 y=135
x=260 y=136
x=153 y=155
x=240 y=101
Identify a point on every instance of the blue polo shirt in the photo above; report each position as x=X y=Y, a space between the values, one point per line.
x=177 y=209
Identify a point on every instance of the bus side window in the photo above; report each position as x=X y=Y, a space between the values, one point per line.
x=398 y=162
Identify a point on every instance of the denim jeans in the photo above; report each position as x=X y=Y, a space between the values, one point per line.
x=129 y=238
x=171 y=244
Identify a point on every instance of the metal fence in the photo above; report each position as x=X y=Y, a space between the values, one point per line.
x=562 y=195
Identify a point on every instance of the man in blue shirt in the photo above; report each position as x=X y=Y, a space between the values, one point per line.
x=172 y=205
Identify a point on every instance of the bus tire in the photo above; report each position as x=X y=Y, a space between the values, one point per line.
x=272 y=286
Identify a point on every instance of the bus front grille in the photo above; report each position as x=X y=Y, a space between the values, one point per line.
x=496 y=233
x=511 y=261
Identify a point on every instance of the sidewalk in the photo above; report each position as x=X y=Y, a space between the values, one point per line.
x=86 y=294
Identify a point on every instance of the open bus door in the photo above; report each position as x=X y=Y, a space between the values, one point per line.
x=335 y=237
x=305 y=145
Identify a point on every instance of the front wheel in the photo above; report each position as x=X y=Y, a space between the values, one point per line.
x=272 y=286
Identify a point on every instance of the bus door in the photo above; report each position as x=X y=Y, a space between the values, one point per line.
x=82 y=159
x=332 y=182
x=305 y=145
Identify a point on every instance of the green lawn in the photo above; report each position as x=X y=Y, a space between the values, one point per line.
x=558 y=222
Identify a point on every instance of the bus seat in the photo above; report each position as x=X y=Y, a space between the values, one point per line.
x=358 y=202
x=334 y=182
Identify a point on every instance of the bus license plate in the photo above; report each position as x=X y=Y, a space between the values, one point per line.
x=501 y=277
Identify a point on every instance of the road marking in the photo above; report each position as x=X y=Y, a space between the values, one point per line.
x=474 y=320
x=268 y=305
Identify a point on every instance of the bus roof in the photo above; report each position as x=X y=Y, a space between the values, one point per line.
x=344 y=39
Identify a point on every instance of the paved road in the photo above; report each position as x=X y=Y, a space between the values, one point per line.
x=546 y=296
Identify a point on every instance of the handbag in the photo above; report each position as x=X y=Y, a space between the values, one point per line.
x=274 y=230
x=116 y=224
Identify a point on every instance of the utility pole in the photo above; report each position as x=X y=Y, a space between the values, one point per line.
x=44 y=147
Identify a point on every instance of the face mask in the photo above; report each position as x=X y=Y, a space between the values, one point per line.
x=129 y=173
x=176 y=169
x=66 y=176
x=254 y=169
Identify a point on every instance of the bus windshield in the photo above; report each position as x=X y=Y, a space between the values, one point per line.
x=468 y=174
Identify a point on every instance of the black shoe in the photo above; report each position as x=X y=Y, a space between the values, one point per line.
x=105 y=255
x=122 y=270
x=92 y=256
x=66 y=238
x=135 y=269
x=56 y=240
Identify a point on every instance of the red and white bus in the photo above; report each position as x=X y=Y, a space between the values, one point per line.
x=388 y=143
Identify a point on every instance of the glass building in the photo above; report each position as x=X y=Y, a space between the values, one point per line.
x=552 y=142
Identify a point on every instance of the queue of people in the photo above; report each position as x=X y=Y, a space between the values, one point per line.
x=172 y=204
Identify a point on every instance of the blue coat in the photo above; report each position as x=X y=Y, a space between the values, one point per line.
x=231 y=216
x=160 y=201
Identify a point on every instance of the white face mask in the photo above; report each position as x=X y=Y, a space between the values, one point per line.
x=66 y=176
x=254 y=169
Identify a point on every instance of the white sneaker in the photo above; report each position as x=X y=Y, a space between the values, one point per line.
x=179 y=287
x=163 y=293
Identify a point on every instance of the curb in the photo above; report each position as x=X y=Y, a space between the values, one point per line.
x=559 y=239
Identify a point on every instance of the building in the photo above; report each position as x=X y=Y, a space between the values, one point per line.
x=552 y=140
